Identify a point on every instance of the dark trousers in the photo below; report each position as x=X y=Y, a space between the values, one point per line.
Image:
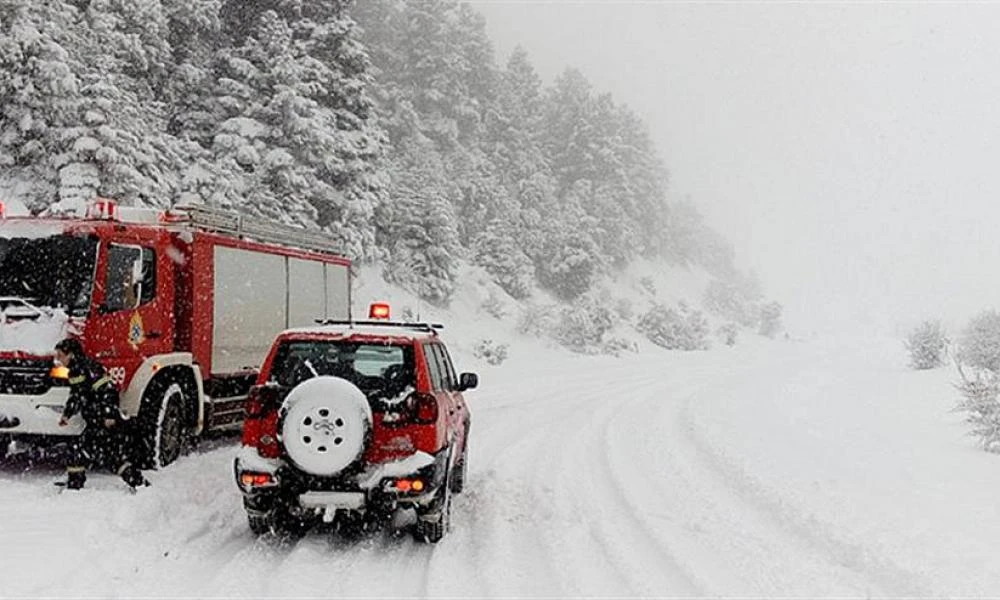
x=104 y=448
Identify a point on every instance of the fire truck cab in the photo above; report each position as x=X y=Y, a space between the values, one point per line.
x=179 y=305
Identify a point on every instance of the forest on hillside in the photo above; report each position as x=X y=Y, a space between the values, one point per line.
x=390 y=125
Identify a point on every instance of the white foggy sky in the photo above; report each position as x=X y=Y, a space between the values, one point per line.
x=848 y=150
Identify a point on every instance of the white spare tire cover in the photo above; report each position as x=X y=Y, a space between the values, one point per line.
x=325 y=422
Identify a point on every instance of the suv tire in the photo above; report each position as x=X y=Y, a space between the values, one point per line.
x=431 y=531
x=461 y=470
x=279 y=523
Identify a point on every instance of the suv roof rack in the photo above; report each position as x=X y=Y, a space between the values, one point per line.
x=426 y=327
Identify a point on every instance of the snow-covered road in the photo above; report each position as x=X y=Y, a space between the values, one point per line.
x=769 y=469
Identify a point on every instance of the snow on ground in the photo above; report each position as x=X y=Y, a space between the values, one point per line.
x=773 y=468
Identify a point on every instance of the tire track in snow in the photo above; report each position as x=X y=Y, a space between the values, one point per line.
x=600 y=563
x=569 y=448
x=515 y=513
x=885 y=577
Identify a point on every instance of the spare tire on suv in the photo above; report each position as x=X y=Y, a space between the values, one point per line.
x=325 y=424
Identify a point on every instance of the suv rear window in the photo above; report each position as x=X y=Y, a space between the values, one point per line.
x=379 y=370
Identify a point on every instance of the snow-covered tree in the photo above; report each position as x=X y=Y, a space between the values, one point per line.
x=299 y=124
x=497 y=251
x=980 y=390
x=39 y=85
x=770 y=319
x=737 y=298
x=728 y=333
x=418 y=227
x=978 y=363
x=926 y=345
x=979 y=344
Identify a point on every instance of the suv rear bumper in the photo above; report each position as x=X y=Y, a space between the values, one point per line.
x=373 y=490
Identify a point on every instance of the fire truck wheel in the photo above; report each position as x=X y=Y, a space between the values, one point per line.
x=162 y=423
x=325 y=423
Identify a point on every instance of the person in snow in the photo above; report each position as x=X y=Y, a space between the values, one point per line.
x=105 y=440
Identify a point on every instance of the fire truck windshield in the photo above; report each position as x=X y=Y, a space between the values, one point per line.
x=55 y=271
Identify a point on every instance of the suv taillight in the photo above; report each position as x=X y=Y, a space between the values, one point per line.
x=425 y=409
x=418 y=408
x=260 y=429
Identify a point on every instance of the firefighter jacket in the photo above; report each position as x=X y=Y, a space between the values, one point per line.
x=91 y=392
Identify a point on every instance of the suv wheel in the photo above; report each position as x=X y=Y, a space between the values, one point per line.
x=432 y=526
x=278 y=522
x=260 y=525
x=461 y=470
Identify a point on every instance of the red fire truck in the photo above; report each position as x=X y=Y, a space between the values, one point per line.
x=181 y=306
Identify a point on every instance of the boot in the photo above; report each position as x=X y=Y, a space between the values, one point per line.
x=75 y=478
x=133 y=477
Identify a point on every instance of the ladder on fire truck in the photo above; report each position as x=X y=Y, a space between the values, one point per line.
x=227 y=412
x=261 y=230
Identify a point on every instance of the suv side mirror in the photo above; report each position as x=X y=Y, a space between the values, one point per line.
x=467 y=381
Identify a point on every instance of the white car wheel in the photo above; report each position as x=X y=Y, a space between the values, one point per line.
x=325 y=424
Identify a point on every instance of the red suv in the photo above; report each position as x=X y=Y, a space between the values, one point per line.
x=351 y=421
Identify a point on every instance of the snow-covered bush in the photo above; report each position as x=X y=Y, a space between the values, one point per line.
x=736 y=299
x=537 y=320
x=624 y=309
x=979 y=401
x=581 y=326
x=926 y=345
x=569 y=266
x=510 y=267
x=978 y=363
x=494 y=306
x=727 y=333
x=491 y=352
x=647 y=285
x=615 y=346
x=681 y=329
x=770 y=319
x=979 y=346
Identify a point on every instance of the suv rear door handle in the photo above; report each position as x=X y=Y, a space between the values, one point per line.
x=152 y=335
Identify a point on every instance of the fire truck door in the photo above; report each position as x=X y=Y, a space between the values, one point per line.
x=132 y=318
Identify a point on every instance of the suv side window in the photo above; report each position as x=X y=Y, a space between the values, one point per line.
x=432 y=367
x=447 y=376
x=449 y=368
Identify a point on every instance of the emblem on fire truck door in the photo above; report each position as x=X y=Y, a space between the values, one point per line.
x=136 y=333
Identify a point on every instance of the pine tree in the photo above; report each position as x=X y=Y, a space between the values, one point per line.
x=299 y=122
x=39 y=86
x=419 y=227
x=117 y=140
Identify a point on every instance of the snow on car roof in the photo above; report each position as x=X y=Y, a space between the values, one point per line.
x=30 y=228
x=398 y=331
